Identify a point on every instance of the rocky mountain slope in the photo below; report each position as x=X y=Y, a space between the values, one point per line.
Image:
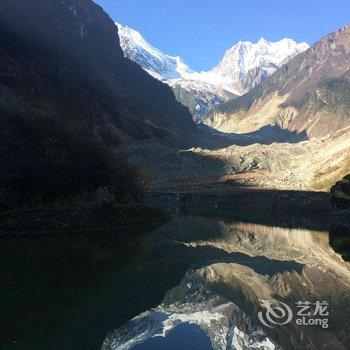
x=243 y=66
x=310 y=93
x=69 y=96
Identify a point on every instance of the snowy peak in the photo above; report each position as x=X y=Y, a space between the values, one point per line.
x=243 y=66
x=236 y=62
x=194 y=90
x=155 y=62
x=246 y=56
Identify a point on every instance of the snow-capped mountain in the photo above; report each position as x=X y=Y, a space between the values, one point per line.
x=155 y=62
x=242 y=67
x=255 y=61
x=192 y=89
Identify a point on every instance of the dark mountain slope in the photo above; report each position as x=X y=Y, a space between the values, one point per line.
x=77 y=44
x=68 y=96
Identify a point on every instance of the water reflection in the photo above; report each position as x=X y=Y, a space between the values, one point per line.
x=183 y=336
x=230 y=266
x=194 y=278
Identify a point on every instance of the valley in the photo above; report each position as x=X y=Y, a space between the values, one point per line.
x=284 y=165
x=146 y=205
x=277 y=127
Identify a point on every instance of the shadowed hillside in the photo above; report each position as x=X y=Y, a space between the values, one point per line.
x=68 y=97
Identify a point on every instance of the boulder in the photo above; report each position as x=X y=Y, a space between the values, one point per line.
x=340 y=193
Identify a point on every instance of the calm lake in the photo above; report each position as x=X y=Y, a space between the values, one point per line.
x=194 y=283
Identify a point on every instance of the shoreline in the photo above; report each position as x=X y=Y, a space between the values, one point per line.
x=80 y=219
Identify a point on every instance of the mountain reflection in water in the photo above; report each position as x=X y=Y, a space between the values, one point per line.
x=230 y=266
x=183 y=336
x=193 y=283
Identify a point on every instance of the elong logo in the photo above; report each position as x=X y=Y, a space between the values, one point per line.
x=278 y=313
x=275 y=315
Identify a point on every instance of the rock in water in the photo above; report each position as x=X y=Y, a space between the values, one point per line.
x=340 y=193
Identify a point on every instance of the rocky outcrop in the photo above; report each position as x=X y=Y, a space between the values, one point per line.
x=340 y=193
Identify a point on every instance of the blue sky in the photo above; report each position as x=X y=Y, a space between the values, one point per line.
x=201 y=30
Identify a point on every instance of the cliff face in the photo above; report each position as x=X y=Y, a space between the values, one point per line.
x=66 y=55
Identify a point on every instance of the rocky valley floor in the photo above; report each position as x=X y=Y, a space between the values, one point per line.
x=305 y=165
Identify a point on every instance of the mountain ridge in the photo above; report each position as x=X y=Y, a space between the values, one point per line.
x=300 y=95
x=241 y=68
